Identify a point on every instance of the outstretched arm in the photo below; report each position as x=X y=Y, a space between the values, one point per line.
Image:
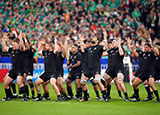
x=121 y=52
x=5 y=48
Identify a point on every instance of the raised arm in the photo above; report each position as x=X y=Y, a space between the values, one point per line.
x=121 y=52
x=21 y=43
x=131 y=47
x=155 y=49
x=27 y=44
x=5 y=48
x=105 y=41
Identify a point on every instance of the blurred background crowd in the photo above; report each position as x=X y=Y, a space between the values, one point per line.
x=44 y=20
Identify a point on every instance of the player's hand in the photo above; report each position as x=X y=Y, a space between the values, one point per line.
x=105 y=34
x=81 y=37
x=119 y=41
x=68 y=38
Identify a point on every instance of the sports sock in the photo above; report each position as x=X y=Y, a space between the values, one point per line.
x=148 y=91
x=97 y=93
x=156 y=94
x=108 y=90
x=80 y=91
x=23 y=90
x=104 y=94
x=119 y=93
x=13 y=88
x=8 y=92
x=69 y=90
x=27 y=91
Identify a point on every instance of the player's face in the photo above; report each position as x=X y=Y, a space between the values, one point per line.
x=88 y=44
x=110 y=46
x=74 y=49
x=147 y=48
x=114 y=44
x=47 y=47
x=15 y=45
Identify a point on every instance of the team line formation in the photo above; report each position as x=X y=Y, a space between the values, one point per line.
x=83 y=64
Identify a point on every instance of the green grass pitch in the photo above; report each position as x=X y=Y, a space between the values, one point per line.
x=93 y=107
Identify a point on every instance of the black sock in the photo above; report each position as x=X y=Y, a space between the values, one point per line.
x=61 y=93
x=20 y=92
x=38 y=95
x=104 y=94
x=85 y=94
x=10 y=93
x=23 y=90
x=108 y=90
x=46 y=94
x=33 y=93
x=119 y=93
x=69 y=90
x=64 y=94
x=126 y=95
x=156 y=94
x=58 y=97
x=7 y=91
x=27 y=91
x=77 y=94
x=80 y=91
x=148 y=91
x=136 y=91
x=13 y=88
x=97 y=93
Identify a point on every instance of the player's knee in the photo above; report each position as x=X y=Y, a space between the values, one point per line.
x=134 y=85
x=83 y=82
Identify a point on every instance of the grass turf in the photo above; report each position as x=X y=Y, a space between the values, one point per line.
x=73 y=107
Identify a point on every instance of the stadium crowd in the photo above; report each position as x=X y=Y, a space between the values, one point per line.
x=39 y=23
x=45 y=20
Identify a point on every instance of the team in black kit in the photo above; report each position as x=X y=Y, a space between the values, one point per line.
x=83 y=64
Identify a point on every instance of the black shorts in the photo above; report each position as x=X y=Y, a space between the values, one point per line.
x=47 y=76
x=146 y=75
x=74 y=75
x=138 y=72
x=112 y=72
x=91 y=72
x=83 y=67
x=28 y=68
x=60 y=73
x=14 y=73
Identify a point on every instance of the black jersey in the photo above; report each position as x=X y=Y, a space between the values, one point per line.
x=140 y=58
x=157 y=62
x=148 y=61
x=49 y=61
x=94 y=54
x=74 y=58
x=110 y=57
x=115 y=59
x=60 y=61
x=28 y=56
x=16 y=56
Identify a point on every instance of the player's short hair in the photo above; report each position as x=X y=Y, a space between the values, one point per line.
x=16 y=40
x=76 y=45
x=148 y=45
